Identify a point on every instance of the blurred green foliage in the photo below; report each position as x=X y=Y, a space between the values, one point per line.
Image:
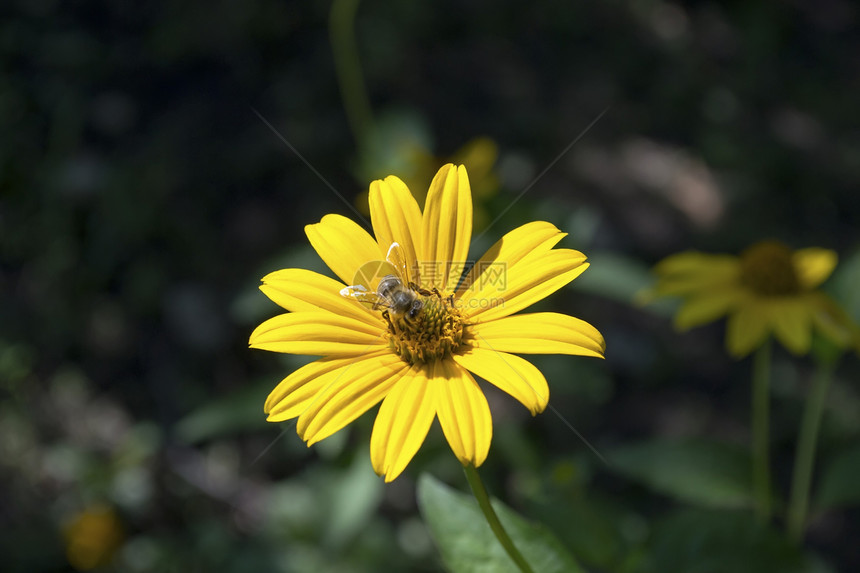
x=141 y=199
x=466 y=543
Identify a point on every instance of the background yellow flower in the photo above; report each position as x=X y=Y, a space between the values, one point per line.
x=92 y=537
x=767 y=290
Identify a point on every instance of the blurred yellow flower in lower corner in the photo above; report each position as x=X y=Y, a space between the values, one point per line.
x=767 y=290
x=92 y=537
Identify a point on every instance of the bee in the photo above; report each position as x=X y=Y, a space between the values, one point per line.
x=397 y=298
x=395 y=293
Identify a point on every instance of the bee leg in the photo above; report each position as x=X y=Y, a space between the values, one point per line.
x=419 y=290
x=388 y=320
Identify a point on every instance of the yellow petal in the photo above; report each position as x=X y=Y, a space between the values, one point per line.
x=746 y=329
x=343 y=245
x=530 y=240
x=694 y=263
x=357 y=389
x=402 y=423
x=479 y=155
x=813 y=266
x=831 y=320
x=706 y=307
x=295 y=392
x=316 y=333
x=692 y=272
x=396 y=217
x=792 y=324
x=303 y=290
x=539 y=333
x=510 y=373
x=530 y=283
x=463 y=413
x=447 y=228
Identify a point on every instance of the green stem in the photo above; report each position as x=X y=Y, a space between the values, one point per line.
x=347 y=65
x=760 y=431
x=805 y=457
x=489 y=513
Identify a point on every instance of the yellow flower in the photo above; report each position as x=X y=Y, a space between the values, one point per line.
x=768 y=289
x=92 y=537
x=419 y=361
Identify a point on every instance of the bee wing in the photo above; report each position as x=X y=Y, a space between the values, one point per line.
x=364 y=296
x=396 y=257
x=370 y=273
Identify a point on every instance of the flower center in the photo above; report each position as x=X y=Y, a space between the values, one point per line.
x=434 y=332
x=767 y=268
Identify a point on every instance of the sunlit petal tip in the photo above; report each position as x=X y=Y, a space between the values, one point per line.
x=276 y=418
x=463 y=413
x=402 y=423
x=301 y=290
x=540 y=333
x=396 y=217
x=443 y=171
x=544 y=228
x=510 y=373
x=814 y=265
x=295 y=393
x=273 y=276
x=446 y=226
x=361 y=387
x=527 y=284
x=463 y=185
x=394 y=180
x=514 y=250
x=317 y=334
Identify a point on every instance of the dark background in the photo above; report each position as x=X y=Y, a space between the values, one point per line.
x=141 y=199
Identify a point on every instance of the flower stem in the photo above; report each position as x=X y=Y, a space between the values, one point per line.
x=761 y=431
x=489 y=513
x=348 y=69
x=805 y=457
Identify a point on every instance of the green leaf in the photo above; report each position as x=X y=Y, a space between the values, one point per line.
x=602 y=532
x=613 y=276
x=355 y=496
x=700 y=541
x=240 y=411
x=705 y=473
x=396 y=139
x=467 y=543
x=843 y=284
x=622 y=279
x=839 y=485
